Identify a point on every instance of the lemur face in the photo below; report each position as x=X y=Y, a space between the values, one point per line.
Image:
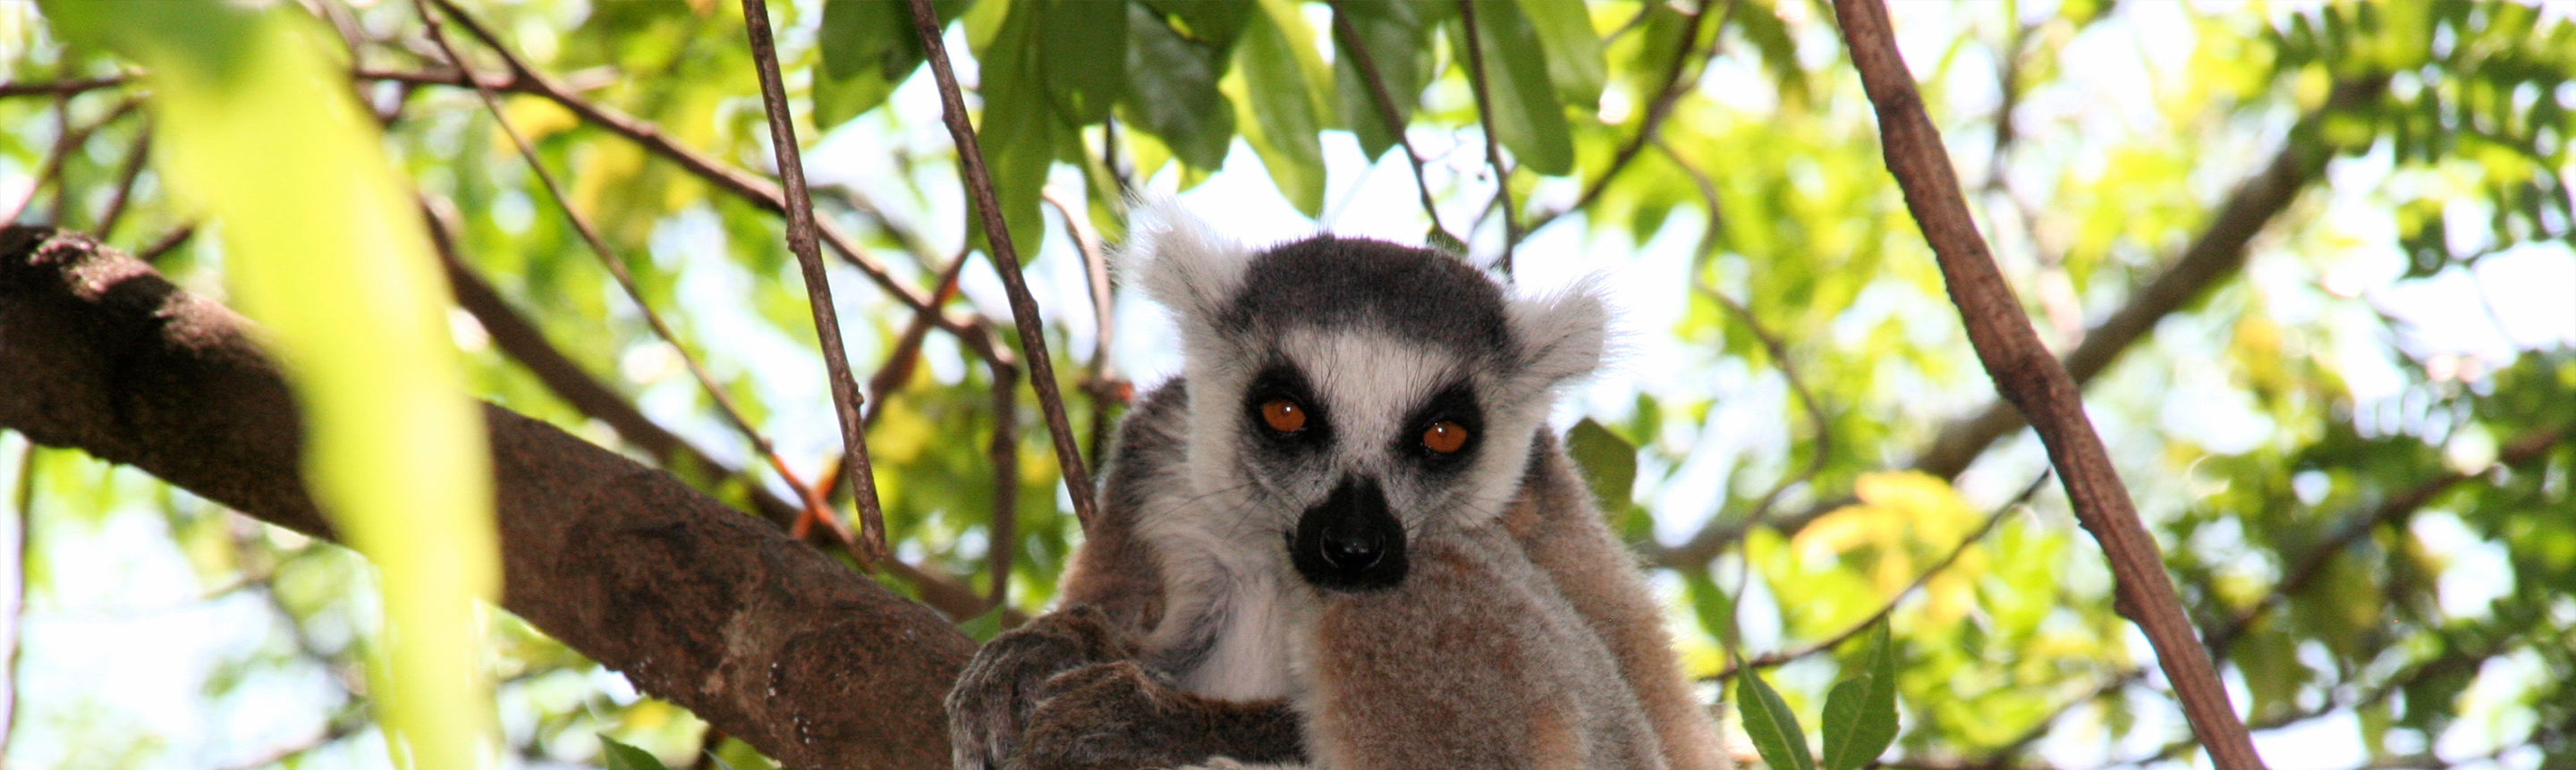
x=1348 y=396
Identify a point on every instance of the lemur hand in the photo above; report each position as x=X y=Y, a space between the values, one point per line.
x=992 y=700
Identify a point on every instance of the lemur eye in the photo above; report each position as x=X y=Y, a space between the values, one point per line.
x=1283 y=415
x=1444 y=437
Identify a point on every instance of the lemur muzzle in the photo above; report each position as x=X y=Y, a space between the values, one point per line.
x=1350 y=542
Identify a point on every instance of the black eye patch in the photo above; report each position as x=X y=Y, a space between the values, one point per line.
x=1279 y=382
x=1456 y=405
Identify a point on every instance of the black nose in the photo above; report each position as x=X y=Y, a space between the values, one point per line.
x=1349 y=542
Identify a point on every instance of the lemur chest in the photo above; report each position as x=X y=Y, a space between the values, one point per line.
x=1249 y=643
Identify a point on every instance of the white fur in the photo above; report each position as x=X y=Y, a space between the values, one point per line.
x=1179 y=260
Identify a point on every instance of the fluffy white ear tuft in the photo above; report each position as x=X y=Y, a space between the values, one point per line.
x=1561 y=336
x=1179 y=260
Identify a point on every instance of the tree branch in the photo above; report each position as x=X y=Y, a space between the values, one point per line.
x=858 y=474
x=1493 y=141
x=1769 y=660
x=60 y=87
x=2214 y=256
x=747 y=186
x=1366 y=64
x=2032 y=380
x=1650 y=125
x=1006 y=260
x=697 y=604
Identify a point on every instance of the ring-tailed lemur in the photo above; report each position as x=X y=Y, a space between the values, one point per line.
x=1344 y=536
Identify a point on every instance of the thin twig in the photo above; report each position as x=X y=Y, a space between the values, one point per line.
x=905 y=357
x=1774 y=659
x=1006 y=260
x=759 y=192
x=1476 y=80
x=2031 y=378
x=125 y=178
x=60 y=87
x=617 y=269
x=858 y=474
x=1102 y=385
x=1361 y=60
x=169 y=241
x=67 y=141
x=1002 y=534
x=518 y=338
x=2216 y=253
x=1650 y=125
x=1708 y=242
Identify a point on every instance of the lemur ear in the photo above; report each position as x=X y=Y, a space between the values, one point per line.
x=1179 y=260
x=1560 y=336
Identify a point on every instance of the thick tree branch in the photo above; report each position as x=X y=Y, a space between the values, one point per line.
x=768 y=640
x=2032 y=380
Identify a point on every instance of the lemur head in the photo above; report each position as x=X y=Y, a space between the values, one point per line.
x=1348 y=394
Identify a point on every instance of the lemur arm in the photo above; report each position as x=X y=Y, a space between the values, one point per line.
x=1060 y=691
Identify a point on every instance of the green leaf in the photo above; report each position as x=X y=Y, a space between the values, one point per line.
x=1021 y=131
x=1397 y=39
x=982 y=628
x=1607 y=459
x=1082 y=53
x=1528 y=118
x=620 y=756
x=324 y=246
x=1172 y=89
x=1768 y=723
x=1710 y=605
x=1215 y=23
x=867 y=46
x=1860 y=713
x=1283 y=124
x=1575 y=64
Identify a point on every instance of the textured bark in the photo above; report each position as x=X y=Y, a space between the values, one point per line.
x=717 y=611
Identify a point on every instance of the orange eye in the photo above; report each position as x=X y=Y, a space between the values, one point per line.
x=1445 y=437
x=1283 y=415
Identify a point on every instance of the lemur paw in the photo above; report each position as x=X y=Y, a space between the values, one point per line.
x=1105 y=716
x=993 y=699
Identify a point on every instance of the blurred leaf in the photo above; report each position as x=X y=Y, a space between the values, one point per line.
x=1528 y=117
x=1767 y=721
x=1397 y=39
x=867 y=47
x=325 y=248
x=619 y=756
x=1860 y=712
x=1575 y=65
x=1021 y=131
x=1172 y=89
x=1284 y=119
x=1082 y=52
x=1608 y=460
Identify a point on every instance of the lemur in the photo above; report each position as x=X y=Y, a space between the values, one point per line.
x=1344 y=536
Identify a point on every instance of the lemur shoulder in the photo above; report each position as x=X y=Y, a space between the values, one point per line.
x=1344 y=537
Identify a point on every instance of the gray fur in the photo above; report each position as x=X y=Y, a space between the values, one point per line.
x=1186 y=636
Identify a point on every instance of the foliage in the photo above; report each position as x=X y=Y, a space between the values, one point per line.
x=2357 y=451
